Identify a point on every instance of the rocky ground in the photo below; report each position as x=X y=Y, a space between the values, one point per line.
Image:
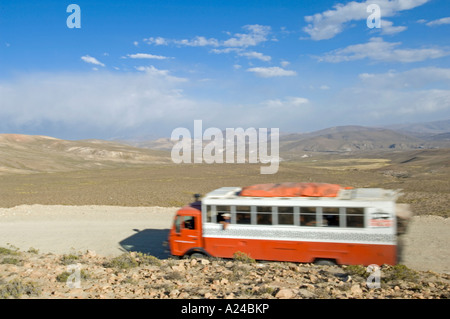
x=135 y=275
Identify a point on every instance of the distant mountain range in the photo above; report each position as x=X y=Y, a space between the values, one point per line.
x=33 y=154
x=352 y=138
x=426 y=130
x=360 y=138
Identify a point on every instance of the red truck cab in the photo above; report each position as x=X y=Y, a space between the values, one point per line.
x=185 y=237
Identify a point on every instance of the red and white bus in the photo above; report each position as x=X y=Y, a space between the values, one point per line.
x=295 y=222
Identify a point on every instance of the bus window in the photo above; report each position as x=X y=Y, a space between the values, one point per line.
x=178 y=222
x=264 y=215
x=285 y=215
x=220 y=211
x=308 y=216
x=243 y=215
x=189 y=222
x=184 y=222
x=355 y=217
x=330 y=216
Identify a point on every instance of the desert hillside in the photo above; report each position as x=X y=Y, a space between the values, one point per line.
x=20 y=154
x=347 y=139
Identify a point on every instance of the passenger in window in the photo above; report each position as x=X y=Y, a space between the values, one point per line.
x=308 y=220
x=225 y=220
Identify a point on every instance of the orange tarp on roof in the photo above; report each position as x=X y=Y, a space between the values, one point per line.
x=292 y=190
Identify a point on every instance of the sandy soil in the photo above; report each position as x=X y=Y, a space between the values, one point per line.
x=111 y=230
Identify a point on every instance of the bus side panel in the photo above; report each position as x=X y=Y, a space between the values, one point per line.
x=302 y=251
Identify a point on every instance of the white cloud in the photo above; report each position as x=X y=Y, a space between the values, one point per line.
x=387 y=27
x=105 y=104
x=267 y=72
x=418 y=94
x=227 y=50
x=95 y=104
x=237 y=43
x=156 y=41
x=256 y=55
x=151 y=70
x=111 y=104
x=328 y=24
x=410 y=79
x=439 y=22
x=198 y=41
x=379 y=50
x=288 y=101
x=286 y=113
x=146 y=56
x=256 y=34
x=242 y=52
x=91 y=60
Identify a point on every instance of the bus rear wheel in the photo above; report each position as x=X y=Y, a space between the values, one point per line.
x=325 y=262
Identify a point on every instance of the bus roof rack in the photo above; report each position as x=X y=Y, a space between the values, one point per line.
x=303 y=191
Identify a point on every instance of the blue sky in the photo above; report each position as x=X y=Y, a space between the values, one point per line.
x=144 y=68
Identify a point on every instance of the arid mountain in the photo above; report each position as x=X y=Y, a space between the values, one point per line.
x=351 y=138
x=31 y=154
x=423 y=130
x=438 y=137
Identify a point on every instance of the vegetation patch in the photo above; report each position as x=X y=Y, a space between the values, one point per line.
x=17 y=288
x=69 y=259
x=399 y=273
x=124 y=261
x=357 y=270
x=131 y=260
x=10 y=261
x=66 y=274
x=7 y=251
x=243 y=257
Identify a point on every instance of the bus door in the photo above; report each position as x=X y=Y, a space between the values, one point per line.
x=187 y=233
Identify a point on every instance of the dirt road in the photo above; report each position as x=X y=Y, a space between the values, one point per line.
x=111 y=230
x=107 y=230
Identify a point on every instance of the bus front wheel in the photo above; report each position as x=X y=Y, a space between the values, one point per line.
x=197 y=255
